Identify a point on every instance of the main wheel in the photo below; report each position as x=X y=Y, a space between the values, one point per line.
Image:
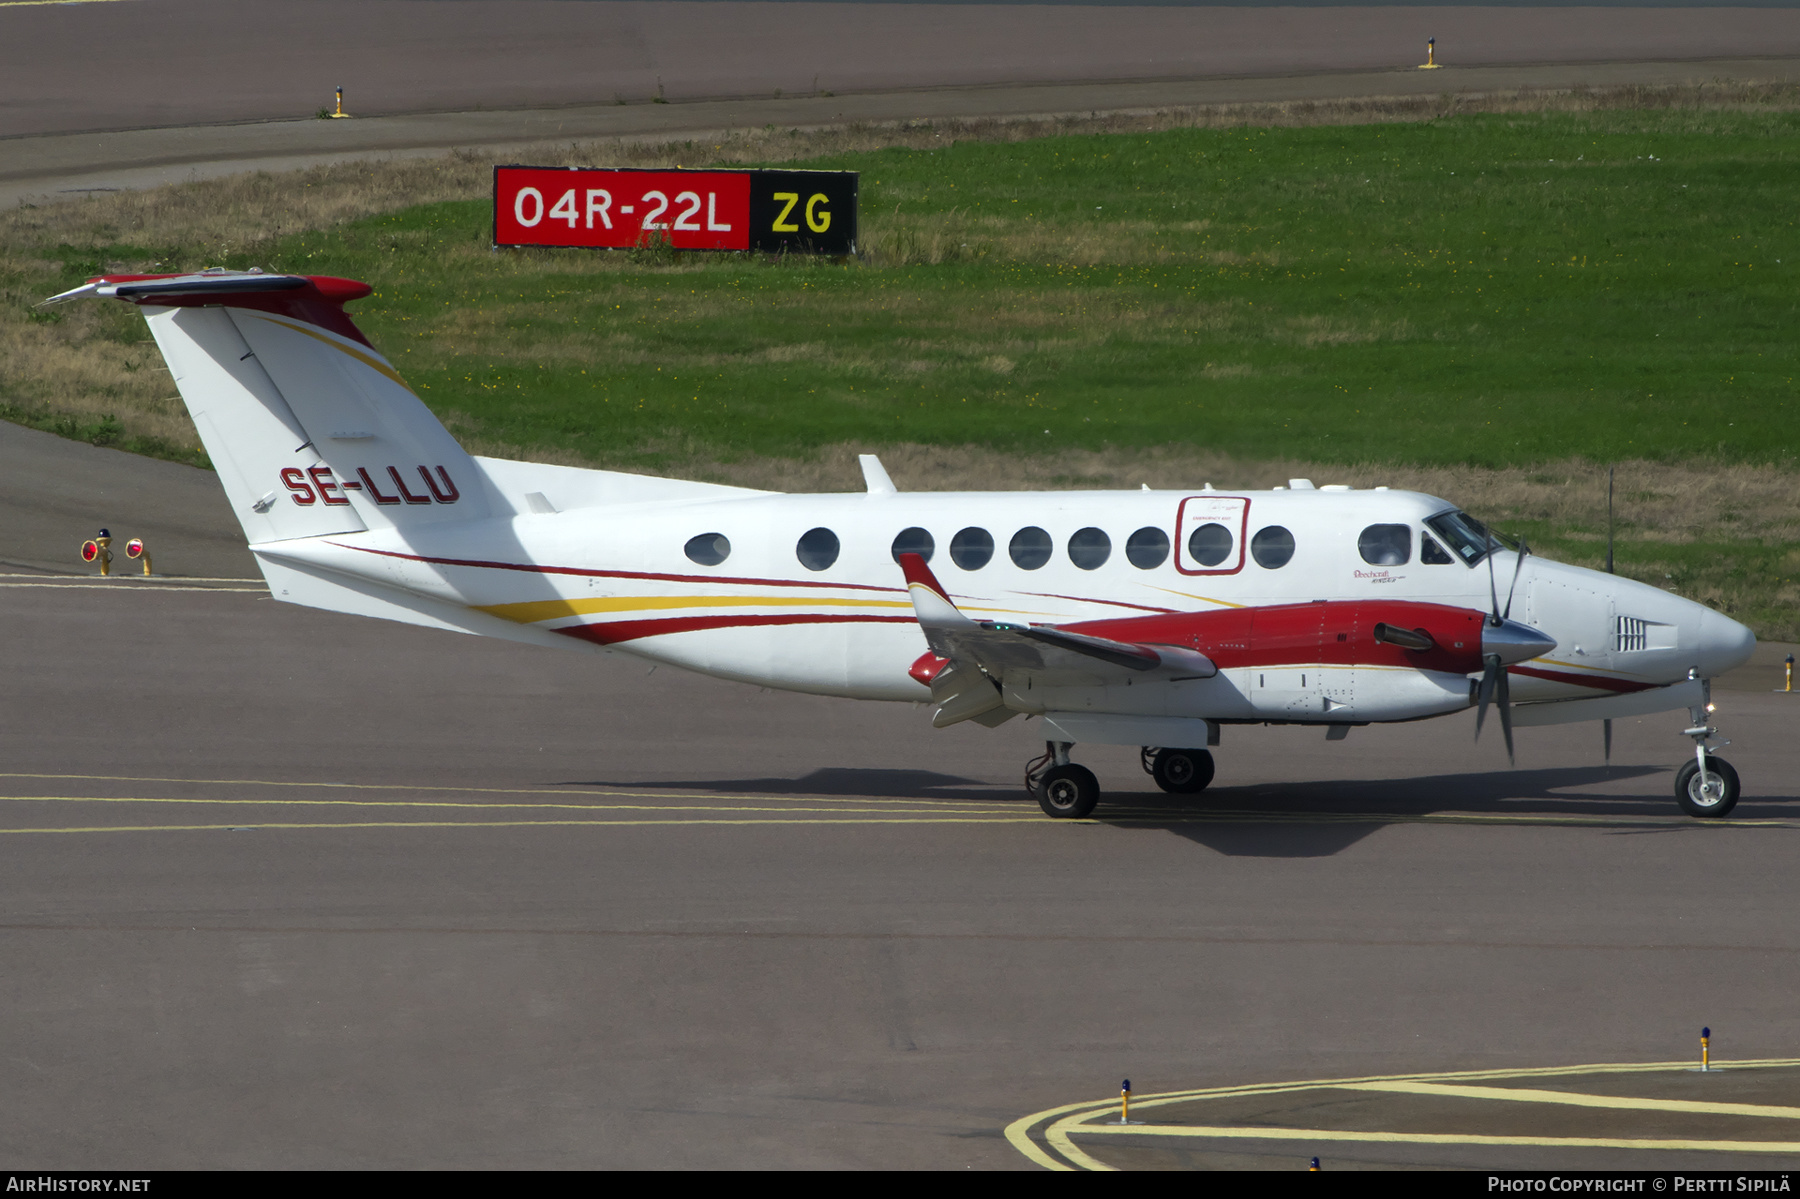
x=1713 y=793
x=1068 y=792
x=1182 y=771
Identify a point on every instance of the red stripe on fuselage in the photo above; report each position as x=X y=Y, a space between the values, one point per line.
x=1576 y=679
x=614 y=631
x=529 y=568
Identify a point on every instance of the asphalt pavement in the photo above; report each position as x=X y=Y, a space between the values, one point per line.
x=291 y=889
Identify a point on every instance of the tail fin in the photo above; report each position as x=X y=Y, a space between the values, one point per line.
x=312 y=431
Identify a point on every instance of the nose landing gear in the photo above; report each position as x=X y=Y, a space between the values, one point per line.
x=1706 y=787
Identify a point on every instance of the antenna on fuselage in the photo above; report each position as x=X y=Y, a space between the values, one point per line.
x=1609 y=521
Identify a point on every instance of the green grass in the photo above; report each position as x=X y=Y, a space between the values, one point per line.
x=1492 y=291
x=1483 y=289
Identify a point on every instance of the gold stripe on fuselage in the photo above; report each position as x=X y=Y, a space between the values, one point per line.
x=534 y=611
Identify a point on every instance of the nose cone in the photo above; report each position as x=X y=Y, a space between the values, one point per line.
x=1723 y=643
x=1514 y=642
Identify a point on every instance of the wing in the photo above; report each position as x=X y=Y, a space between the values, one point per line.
x=984 y=656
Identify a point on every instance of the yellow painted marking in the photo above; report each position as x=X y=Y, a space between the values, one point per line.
x=1172 y=816
x=373 y=363
x=840 y=806
x=1422 y=1138
x=1018 y=1132
x=29 y=3
x=536 y=610
x=1584 y=667
x=134 y=580
x=672 y=795
x=1578 y=1099
x=100 y=584
x=1205 y=599
x=923 y=818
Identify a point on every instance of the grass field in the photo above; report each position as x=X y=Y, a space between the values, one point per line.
x=1480 y=298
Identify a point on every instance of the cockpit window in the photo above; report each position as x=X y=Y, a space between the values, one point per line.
x=1431 y=553
x=1467 y=537
x=1385 y=545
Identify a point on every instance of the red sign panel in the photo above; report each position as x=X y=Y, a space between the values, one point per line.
x=687 y=210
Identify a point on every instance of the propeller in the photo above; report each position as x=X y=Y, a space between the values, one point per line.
x=1494 y=685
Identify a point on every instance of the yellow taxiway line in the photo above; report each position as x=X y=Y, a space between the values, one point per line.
x=1058 y=1124
x=1578 y=1099
x=923 y=818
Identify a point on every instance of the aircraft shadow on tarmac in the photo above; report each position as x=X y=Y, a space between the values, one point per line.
x=1302 y=819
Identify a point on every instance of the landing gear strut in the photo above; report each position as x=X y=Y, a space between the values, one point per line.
x=1707 y=786
x=1063 y=789
x=1178 y=771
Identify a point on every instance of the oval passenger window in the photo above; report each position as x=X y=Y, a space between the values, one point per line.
x=1148 y=548
x=914 y=541
x=1272 y=547
x=708 y=549
x=818 y=549
x=1090 y=548
x=1385 y=545
x=1210 y=544
x=972 y=548
x=1030 y=548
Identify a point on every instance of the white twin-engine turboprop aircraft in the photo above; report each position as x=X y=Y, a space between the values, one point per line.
x=1147 y=618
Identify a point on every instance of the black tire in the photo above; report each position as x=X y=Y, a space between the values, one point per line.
x=1711 y=797
x=1182 y=771
x=1068 y=792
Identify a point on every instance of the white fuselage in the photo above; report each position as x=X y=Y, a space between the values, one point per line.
x=619 y=575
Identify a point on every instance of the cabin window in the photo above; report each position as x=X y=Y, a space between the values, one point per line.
x=914 y=541
x=818 y=549
x=1210 y=544
x=1148 y=548
x=1431 y=553
x=972 y=548
x=1385 y=545
x=1272 y=547
x=708 y=549
x=1030 y=548
x=1089 y=548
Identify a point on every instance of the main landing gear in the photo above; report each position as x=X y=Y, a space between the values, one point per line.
x=1067 y=791
x=1707 y=786
x=1178 y=771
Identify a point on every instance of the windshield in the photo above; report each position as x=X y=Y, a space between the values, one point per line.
x=1467 y=537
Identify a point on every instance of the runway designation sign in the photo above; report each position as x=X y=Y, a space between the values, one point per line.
x=810 y=212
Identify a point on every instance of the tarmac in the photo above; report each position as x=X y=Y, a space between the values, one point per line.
x=286 y=889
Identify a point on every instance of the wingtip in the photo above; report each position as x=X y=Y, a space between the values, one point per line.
x=917 y=572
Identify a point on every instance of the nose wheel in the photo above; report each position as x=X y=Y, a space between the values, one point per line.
x=1706 y=787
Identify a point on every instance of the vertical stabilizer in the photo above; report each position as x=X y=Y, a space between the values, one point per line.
x=312 y=431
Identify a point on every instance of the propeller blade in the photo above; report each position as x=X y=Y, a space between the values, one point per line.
x=1493 y=591
x=1485 y=693
x=1518 y=565
x=1606 y=739
x=1504 y=699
